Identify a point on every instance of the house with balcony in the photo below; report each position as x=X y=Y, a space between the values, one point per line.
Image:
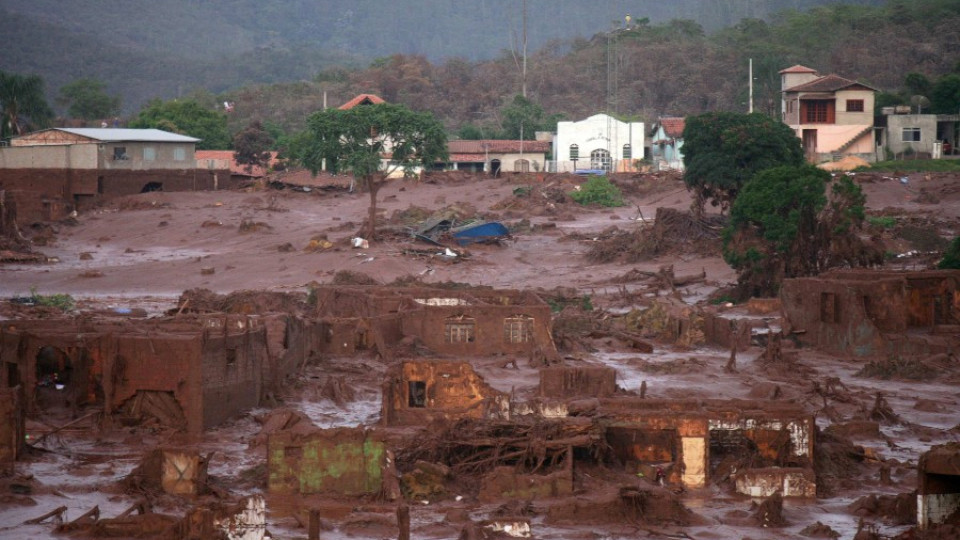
x=833 y=116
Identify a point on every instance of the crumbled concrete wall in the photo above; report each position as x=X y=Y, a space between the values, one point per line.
x=867 y=313
x=342 y=461
x=463 y=322
x=421 y=391
x=790 y=482
x=579 y=381
x=11 y=426
x=506 y=483
x=175 y=471
x=938 y=476
x=51 y=194
x=211 y=366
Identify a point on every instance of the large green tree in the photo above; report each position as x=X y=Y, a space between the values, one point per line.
x=87 y=99
x=186 y=117
x=252 y=146
x=360 y=139
x=786 y=223
x=22 y=104
x=722 y=150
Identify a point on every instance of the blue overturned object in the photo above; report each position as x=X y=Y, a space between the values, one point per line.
x=484 y=231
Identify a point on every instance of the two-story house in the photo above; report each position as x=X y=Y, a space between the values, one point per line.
x=833 y=116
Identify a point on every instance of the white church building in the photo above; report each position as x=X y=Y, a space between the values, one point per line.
x=600 y=142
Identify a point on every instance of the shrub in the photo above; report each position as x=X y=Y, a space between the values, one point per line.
x=599 y=191
x=64 y=302
x=951 y=257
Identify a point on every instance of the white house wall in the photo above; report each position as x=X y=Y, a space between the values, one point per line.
x=599 y=131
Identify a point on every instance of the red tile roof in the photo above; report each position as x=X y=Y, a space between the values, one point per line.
x=362 y=99
x=226 y=161
x=829 y=83
x=673 y=126
x=492 y=146
x=798 y=69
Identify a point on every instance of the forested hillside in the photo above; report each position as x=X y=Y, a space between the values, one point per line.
x=650 y=70
x=165 y=47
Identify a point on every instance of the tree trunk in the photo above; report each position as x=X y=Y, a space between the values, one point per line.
x=374 y=187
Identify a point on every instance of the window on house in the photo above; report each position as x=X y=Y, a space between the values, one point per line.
x=518 y=329
x=459 y=329
x=829 y=309
x=417 y=394
x=816 y=112
x=179 y=154
x=627 y=151
x=790 y=106
x=911 y=134
x=574 y=151
x=149 y=153
x=600 y=159
x=854 y=105
x=521 y=165
x=120 y=152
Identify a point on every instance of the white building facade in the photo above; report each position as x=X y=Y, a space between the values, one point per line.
x=599 y=142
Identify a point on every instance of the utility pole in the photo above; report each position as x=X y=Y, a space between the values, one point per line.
x=751 y=85
x=523 y=75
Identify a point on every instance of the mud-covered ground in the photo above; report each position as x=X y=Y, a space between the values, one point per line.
x=141 y=252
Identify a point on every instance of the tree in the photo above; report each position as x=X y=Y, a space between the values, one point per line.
x=87 y=99
x=188 y=118
x=945 y=95
x=523 y=117
x=722 y=150
x=951 y=257
x=358 y=139
x=22 y=104
x=252 y=146
x=785 y=224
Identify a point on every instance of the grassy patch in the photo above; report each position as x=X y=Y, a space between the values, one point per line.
x=64 y=302
x=599 y=191
x=884 y=222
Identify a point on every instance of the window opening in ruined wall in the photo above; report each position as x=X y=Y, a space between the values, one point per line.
x=231 y=357
x=518 y=329
x=417 y=394
x=460 y=329
x=120 y=152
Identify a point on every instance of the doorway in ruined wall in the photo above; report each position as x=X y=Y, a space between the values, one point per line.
x=150 y=187
x=62 y=380
x=637 y=448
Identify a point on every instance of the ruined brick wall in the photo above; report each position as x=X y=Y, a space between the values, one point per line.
x=159 y=363
x=581 y=381
x=342 y=461
x=11 y=427
x=721 y=331
x=291 y=340
x=51 y=194
x=421 y=391
x=868 y=313
x=844 y=317
x=232 y=368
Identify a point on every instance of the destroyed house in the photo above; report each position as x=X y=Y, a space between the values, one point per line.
x=421 y=391
x=938 y=493
x=686 y=437
x=187 y=373
x=474 y=322
x=870 y=313
x=340 y=461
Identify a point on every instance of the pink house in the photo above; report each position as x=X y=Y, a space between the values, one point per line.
x=833 y=116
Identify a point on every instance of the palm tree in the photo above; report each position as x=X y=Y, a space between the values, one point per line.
x=22 y=104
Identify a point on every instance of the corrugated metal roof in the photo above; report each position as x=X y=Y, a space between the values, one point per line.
x=129 y=135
